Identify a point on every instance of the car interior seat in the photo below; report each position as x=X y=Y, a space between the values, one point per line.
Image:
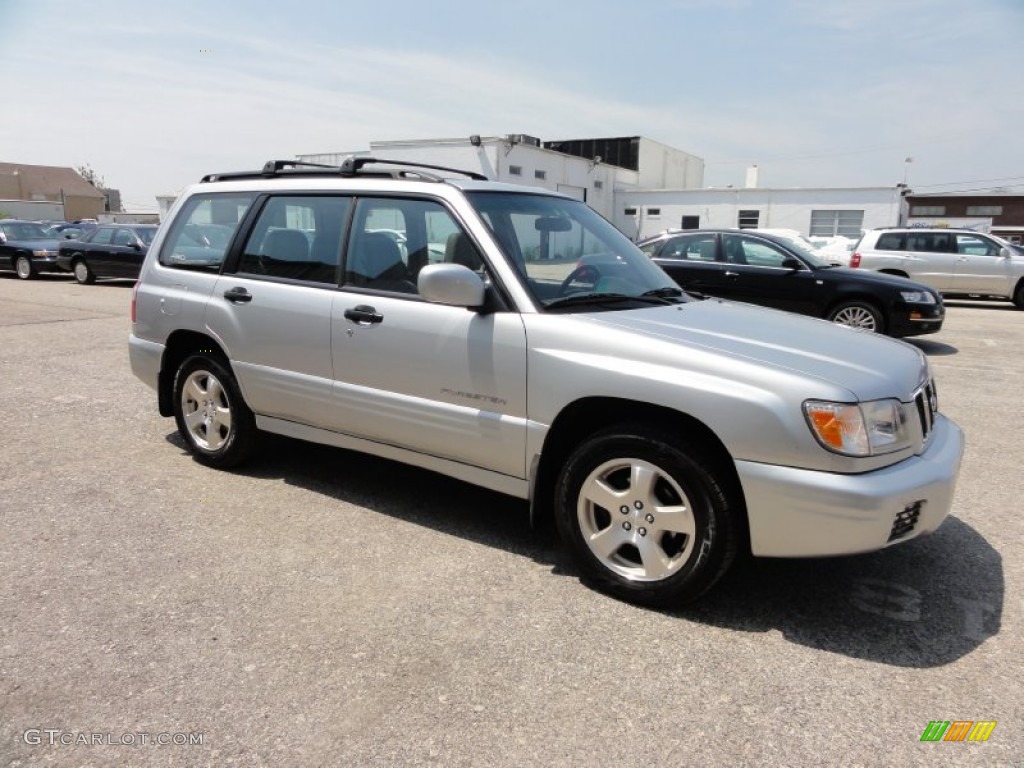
x=376 y=262
x=458 y=249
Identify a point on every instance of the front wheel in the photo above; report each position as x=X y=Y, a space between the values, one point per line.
x=647 y=516
x=857 y=314
x=216 y=424
x=23 y=266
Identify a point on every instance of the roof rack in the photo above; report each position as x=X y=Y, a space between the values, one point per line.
x=350 y=167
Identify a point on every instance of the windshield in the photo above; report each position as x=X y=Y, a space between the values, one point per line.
x=564 y=249
x=26 y=232
x=801 y=250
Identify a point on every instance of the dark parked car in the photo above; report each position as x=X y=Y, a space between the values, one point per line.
x=27 y=248
x=774 y=272
x=110 y=250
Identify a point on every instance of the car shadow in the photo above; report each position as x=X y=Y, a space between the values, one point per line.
x=923 y=604
x=933 y=348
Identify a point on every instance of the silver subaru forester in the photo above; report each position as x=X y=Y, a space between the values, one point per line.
x=512 y=338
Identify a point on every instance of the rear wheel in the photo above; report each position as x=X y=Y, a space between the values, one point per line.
x=82 y=272
x=23 y=266
x=857 y=314
x=1018 y=295
x=646 y=516
x=216 y=424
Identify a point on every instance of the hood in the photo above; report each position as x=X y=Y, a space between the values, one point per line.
x=878 y=278
x=33 y=245
x=867 y=365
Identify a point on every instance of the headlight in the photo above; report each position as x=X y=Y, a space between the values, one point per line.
x=917 y=297
x=868 y=429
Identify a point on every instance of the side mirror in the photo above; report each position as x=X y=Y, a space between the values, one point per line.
x=452 y=284
x=135 y=245
x=1005 y=252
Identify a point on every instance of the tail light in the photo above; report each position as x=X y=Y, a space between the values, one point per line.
x=855 y=260
x=135 y=293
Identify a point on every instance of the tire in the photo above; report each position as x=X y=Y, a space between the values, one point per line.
x=24 y=268
x=212 y=417
x=858 y=314
x=1018 y=295
x=662 y=545
x=83 y=274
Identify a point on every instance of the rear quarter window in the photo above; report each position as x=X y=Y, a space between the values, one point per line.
x=202 y=230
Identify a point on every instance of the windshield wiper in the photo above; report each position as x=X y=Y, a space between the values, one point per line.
x=582 y=299
x=665 y=292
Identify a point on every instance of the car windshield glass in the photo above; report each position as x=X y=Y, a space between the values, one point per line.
x=146 y=234
x=563 y=248
x=811 y=258
x=26 y=232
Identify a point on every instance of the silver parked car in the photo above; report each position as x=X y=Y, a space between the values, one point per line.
x=955 y=262
x=544 y=357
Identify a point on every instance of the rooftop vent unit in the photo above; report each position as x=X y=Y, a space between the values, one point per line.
x=522 y=138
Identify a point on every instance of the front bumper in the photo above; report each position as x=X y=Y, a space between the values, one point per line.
x=917 y=320
x=806 y=513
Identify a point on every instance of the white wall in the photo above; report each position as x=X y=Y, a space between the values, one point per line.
x=778 y=208
x=32 y=209
x=664 y=167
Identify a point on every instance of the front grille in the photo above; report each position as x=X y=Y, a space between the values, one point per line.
x=927 y=404
x=905 y=522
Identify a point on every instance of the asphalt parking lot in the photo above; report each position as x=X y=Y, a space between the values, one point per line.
x=321 y=607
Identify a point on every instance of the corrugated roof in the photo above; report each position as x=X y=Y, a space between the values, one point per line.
x=49 y=180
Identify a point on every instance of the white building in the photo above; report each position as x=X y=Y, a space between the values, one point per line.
x=522 y=159
x=645 y=187
x=815 y=212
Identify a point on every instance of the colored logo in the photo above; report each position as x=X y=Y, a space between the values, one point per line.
x=958 y=730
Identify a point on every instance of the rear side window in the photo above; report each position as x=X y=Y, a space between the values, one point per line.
x=930 y=242
x=297 y=238
x=202 y=231
x=690 y=248
x=890 y=241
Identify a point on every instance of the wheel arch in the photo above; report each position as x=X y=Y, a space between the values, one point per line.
x=855 y=297
x=896 y=272
x=587 y=416
x=180 y=345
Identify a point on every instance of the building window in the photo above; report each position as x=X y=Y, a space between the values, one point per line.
x=515 y=170
x=540 y=174
x=653 y=212
x=832 y=223
x=927 y=210
x=598 y=184
x=749 y=219
x=629 y=212
x=984 y=210
x=691 y=222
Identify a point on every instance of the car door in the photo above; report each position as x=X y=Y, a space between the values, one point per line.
x=764 y=273
x=981 y=267
x=125 y=255
x=98 y=252
x=931 y=258
x=441 y=380
x=271 y=309
x=693 y=262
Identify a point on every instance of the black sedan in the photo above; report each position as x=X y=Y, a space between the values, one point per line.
x=773 y=272
x=27 y=248
x=110 y=250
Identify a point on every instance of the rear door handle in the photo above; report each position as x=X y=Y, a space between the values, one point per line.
x=237 y=295
x=364 y=314
x=732 y=274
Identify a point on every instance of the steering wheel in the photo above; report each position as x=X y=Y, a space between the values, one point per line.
x=585 y=273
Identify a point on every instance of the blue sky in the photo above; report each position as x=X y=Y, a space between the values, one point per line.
x=816 y=92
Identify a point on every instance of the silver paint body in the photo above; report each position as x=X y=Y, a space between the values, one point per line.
x=473 y=395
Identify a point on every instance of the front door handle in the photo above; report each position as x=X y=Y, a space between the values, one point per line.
x=237 y=295
x=732 y=274
x=364 y=314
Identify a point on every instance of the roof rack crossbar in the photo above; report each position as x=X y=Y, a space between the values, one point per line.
x=351 y=166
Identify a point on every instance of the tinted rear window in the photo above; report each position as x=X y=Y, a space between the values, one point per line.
x=890 y=241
